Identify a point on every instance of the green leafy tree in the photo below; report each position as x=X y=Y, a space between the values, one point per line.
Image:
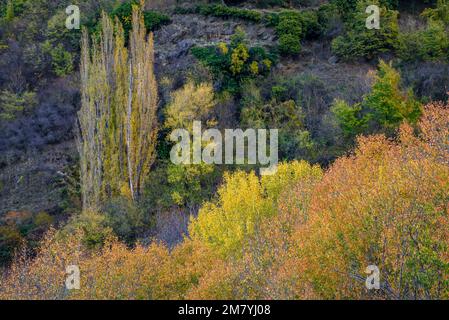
x=239 y=56
x=345 y=7
x=389 y=104
x=94 y=227
x=350 y=118
x=434 y=42
x=361 y=42
x=190 y=184
x=383 y=109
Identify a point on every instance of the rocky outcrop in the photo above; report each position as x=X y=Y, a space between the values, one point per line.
x=174 y=41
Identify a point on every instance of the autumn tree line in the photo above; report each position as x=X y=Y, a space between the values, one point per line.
x=304 y=233
x=307 y=232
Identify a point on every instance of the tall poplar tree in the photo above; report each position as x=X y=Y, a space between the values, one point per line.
x=117 y=120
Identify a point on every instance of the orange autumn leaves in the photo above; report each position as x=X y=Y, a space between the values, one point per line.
x=300 y=234
x=384 y=206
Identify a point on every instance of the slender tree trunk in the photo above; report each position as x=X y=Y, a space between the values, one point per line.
x=128 y=134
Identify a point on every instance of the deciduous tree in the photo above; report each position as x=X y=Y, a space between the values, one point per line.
x=117 y=120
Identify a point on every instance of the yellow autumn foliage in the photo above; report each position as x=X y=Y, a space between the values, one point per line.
x=300 y=234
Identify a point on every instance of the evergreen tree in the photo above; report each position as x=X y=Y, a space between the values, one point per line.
x=9 y=15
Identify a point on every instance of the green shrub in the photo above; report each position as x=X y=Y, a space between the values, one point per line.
x=61 y=60
x=390 y=4
x=278 y=92
x=272 y=3
x=9 y=9
x=13 y=104
x=383 y=109
x=328 y=17
x=289 y=44
x=190 y=185
x=290 y=32
x=292 y=26
x=43 y=219
x=440 y=13
x=326 y=12
x=434 y=42
x=310 y=24
x=271 y=19
x=345 y=7
x=55 y=35
x=153 y=20
x=186 y=186
x=94 y=225
x=221 y=11
x=234 y=63
x=290 y=23
x=359 y=41
x=388 y=102
x=184 y=10
x=125 y=218
x=277 y=111
x=431 y=44
x=409 y=45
